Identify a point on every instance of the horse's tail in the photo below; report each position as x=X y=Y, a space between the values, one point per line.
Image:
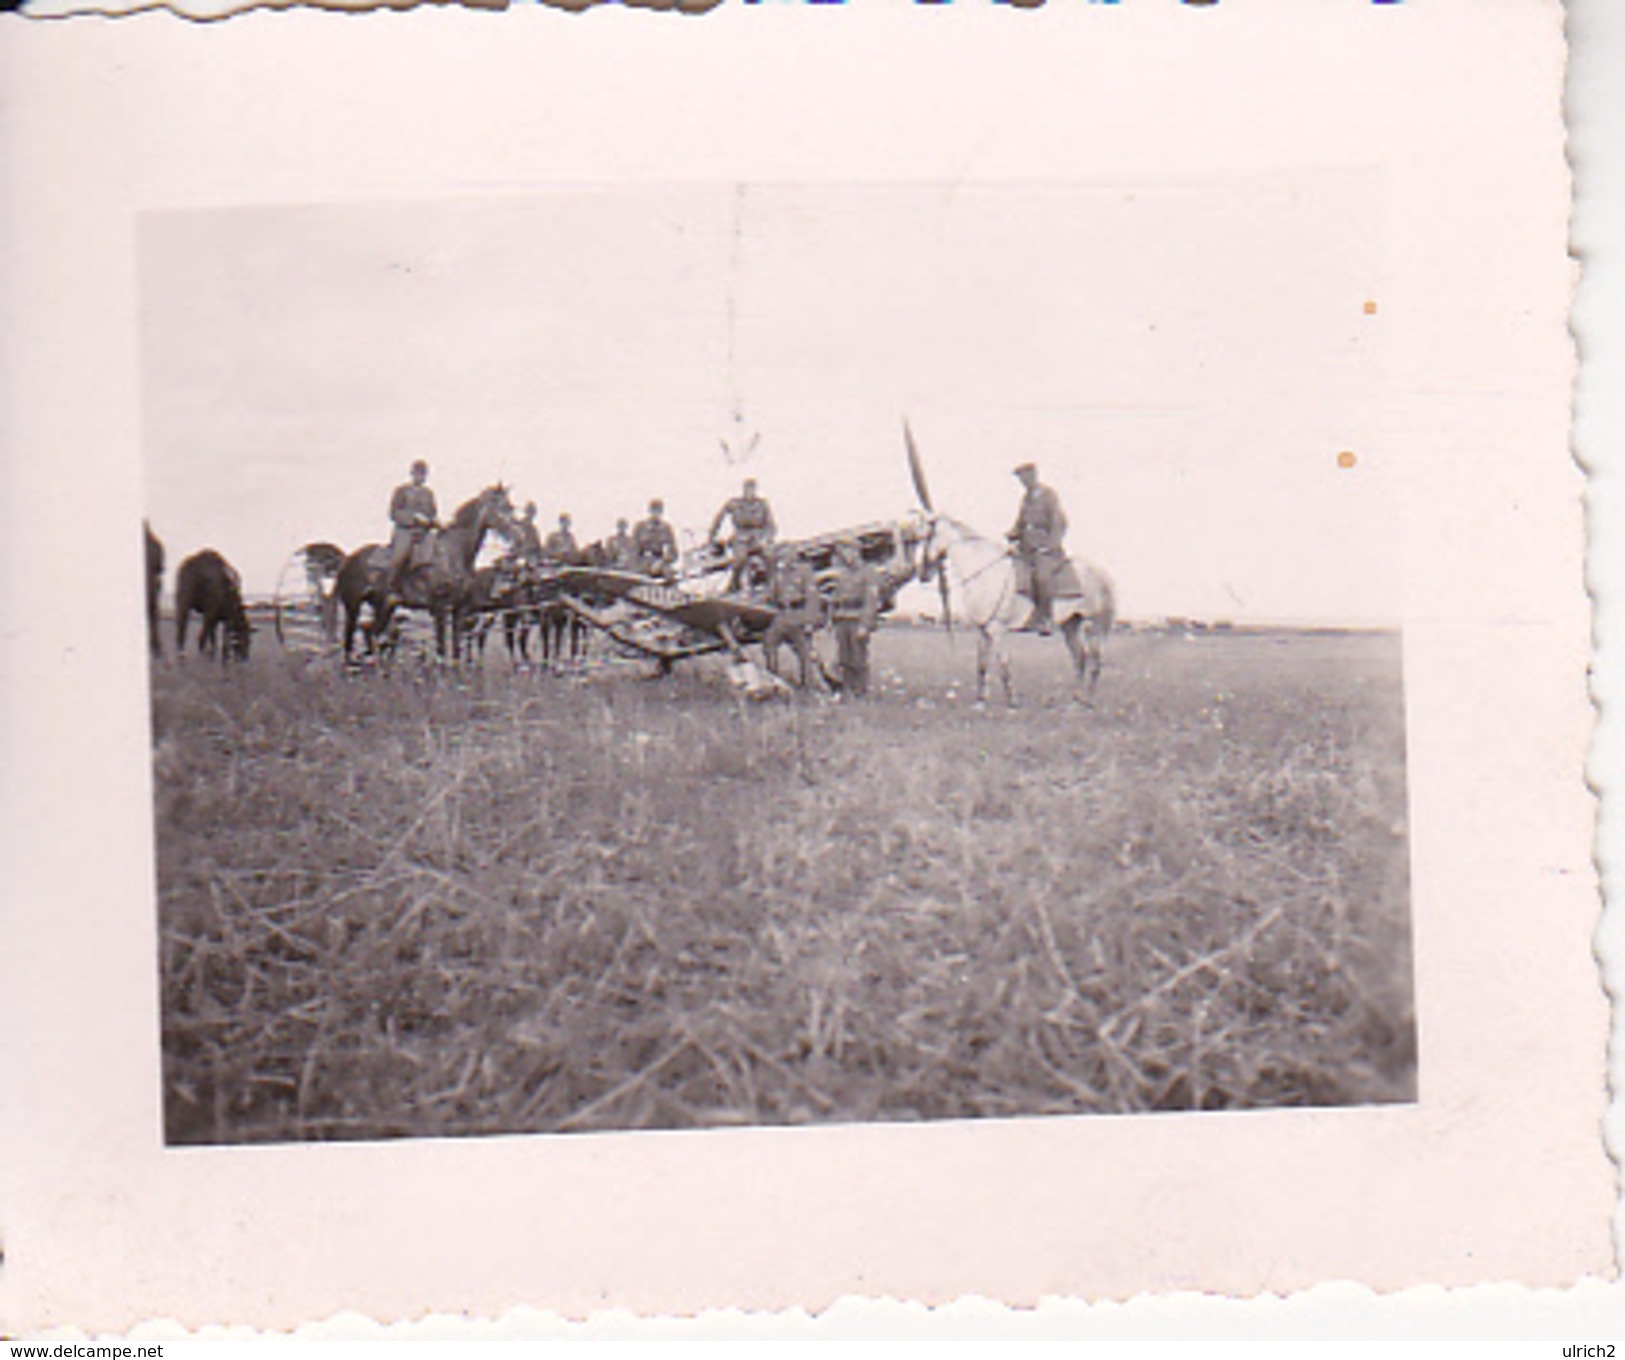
x=1107 y=614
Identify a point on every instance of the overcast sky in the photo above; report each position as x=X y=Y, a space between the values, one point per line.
x=1184 y=362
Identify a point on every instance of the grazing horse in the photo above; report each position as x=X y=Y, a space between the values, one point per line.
x=442 y=585
x=209 y=584
x=155 y=584
x=984 y=574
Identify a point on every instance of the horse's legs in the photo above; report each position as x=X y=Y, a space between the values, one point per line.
x=445 y=633
x=984 y=648
x=377 y=630
x=528 y=624
x=1001 y=651
x=447 y=643
x=352 y=616
x=1078 y=650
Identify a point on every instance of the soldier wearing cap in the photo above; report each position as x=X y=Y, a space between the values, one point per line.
x=622 y=555
x=854 y=610
x=654 y=543
x=799 y=611
x=1038 y=533
x=754 y=529
x=527 y=542
x=561 y=543
x=412 y=514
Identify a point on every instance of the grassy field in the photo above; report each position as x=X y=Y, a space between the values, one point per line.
x=424 y=905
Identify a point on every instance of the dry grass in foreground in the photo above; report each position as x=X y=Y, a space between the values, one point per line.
x=403 y=907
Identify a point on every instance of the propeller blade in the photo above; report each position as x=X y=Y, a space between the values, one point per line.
x=917 y=471
x=947 y=609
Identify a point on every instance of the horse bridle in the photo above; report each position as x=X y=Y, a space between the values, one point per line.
x=930 y=563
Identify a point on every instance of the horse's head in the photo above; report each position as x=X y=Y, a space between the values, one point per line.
x=496 y=509
x=933 y=549
x=933 y=562
x=239 y=636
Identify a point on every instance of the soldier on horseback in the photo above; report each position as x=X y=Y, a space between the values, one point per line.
x=1038 y=533
x=561 y=546
x=527 y=540
x=412 y=513
x=623 y=556
x=654 y=543
x=754 y=531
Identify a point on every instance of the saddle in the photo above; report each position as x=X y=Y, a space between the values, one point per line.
x=1063 y=578
x=422 y=555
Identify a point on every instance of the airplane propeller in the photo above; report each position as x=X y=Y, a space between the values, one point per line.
x=917 y=471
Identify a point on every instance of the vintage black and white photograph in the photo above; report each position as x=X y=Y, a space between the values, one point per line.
x=669 y=657
x=798 y=655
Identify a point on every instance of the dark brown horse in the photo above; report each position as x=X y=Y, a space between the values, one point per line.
x=506 y=591
x=209 y=585
x=155 y=585
x=442 y=585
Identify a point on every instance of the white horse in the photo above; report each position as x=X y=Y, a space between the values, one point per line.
x=984 y=574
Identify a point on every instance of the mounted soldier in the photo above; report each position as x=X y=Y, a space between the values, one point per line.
x=412 y=513
x=753 y=531
x=655 y=544
x=561 y=546
x=527 y=540
x=623 y=556
x=1037 y=535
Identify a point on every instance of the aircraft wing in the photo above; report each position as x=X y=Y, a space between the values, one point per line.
x=711 y=621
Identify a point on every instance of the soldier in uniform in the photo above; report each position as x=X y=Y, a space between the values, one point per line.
x=754 y=530
x=412 y=513
x=527 y=542
x=854 y=609
x=1037 y=535
x=654 y=543
x=793 y=593
x=623 y=556
x=561 y=543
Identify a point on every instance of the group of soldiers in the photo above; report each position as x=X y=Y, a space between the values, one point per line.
x=852 y=604
x=651 y=548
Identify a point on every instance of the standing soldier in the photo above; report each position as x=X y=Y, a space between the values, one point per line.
x=654 y=543
x=1039 y=530
x=412 y=512
x=527 y=539
x=793 y=593
x=561 y=543
x=754 y=530
x=622 y=555
x=855 y=609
